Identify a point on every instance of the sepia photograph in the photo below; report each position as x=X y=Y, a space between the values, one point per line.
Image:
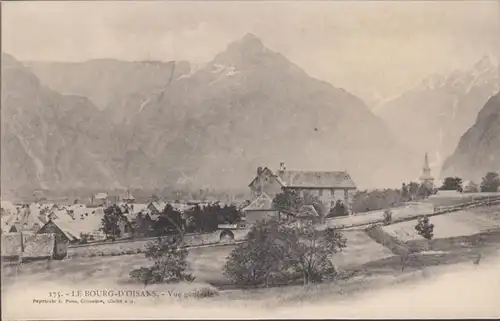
x=250 y=159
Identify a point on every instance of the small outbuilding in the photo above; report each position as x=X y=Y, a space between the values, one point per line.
x=61 y=239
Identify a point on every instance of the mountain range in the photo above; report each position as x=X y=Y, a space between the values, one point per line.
x=115 y=86
x=432 y=116
x=478 y=150
x=114 y=124
x=50 y=140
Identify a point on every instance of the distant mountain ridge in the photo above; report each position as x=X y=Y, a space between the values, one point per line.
x=115 y=86
x=49 y=140
x=210 y=126
x=432 y=116
x=478 y=151
x=250 y=106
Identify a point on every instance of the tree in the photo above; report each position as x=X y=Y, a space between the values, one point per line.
x=406 y=255
x=168 y=221
x=169 y=263
x=425 y=228
x=490 y=183
x=203 y=220
x=288 y=200
x=210 y=218
x=471 y=187
x=338 y=210
x=365 y=201
x=387 y=217
x=275 y=250
x=113 y=216
x=229 y=215
x=405 y=194
x=309 y=251
x=424 y=191
x=258 y=259
x=413 y=190
x=452 y=184
x=311 y=199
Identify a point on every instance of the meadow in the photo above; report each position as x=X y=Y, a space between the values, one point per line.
x=455 y=224
x=430 y=292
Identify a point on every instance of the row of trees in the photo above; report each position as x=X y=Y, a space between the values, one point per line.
x=490 y=183
x=169 y=221
x=365 y=201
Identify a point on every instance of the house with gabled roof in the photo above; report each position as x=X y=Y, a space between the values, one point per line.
x=327 y=186
x=38 y=246
x=260 y=209
x=156 y=208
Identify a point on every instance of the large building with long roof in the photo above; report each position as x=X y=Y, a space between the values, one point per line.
x=328 y=186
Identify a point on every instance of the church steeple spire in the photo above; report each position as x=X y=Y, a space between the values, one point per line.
x=426 y=163
x=426 y=177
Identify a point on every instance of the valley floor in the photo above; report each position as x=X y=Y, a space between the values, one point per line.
x=367 y=268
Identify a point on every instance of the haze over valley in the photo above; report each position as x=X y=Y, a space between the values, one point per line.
x=136 y=115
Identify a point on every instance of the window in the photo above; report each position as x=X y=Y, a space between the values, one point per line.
x=320 y=192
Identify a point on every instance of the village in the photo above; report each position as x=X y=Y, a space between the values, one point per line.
x=45 y=230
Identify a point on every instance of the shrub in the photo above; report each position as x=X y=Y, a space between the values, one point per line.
x=169 y=263
x=490 y=182
x=425 y=228
x=273 y=250
x=387 y=217
x=258 y=259
x=338 y=210
x=452 y=184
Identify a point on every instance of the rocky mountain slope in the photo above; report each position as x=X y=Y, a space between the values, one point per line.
x=478 y=151
x=118 y=87
x=209 y=127
x=432 y=116
x=249 y=107
x=49 y=140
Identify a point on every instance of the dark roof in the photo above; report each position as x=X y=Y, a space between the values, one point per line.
x=272 y=174
x=337 y=179
x=312 y=179
x=62 y=230
x=158 y=205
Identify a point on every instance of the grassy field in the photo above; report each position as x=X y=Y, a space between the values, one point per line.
x=463 y=223
x=460 y=199
x=360 y=250
x=376 y=268
x=205 y=264
x=378 y=287
x=409 y=210
x=430 y=292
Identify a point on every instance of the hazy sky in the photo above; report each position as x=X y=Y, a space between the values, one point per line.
x=372 y=49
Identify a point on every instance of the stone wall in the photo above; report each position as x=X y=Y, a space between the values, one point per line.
x=138 y=245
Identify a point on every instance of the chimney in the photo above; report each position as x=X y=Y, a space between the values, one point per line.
x=259 y=179
x=282 y=167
